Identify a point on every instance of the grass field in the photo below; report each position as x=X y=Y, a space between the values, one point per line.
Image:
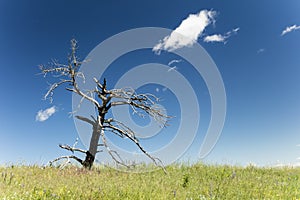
x=181 y=182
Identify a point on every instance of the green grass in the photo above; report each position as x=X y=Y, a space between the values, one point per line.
x=182 y=182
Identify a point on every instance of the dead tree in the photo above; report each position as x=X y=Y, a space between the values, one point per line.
x=103 y=100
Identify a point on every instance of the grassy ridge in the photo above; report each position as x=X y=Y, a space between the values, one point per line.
x=182 y=182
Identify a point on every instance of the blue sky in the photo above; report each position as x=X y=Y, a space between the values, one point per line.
x=255 y=45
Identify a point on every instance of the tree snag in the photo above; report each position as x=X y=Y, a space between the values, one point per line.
x=103 y=100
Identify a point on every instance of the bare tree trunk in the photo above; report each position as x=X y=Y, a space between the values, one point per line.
x=89 y=160
x=93 y=147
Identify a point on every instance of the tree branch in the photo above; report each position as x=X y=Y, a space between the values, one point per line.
x=68 y=159
x=50 y=92
x=127 y=132
x=113 y=154
x=72 y=149
x=86 y=120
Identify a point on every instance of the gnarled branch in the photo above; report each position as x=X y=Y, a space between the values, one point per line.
x=72 y=149
x=102 y=99
x=68 y=159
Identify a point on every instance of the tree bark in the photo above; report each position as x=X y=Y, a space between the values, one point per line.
x=89 y=160
x=93 y=147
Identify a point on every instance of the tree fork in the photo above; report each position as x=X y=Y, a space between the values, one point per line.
x=107 y=98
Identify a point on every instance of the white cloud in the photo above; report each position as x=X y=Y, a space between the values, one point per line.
x=290 y=29
x=187 y=33
x=261 y=50
x=215 y=38
x=174 y=61
x=43 y=115
x=172 y=69
x=219 y=37
x=234 y=30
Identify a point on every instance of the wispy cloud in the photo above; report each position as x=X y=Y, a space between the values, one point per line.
x=172 y=69
x=234 y=31
x=174 y=61
x=43 y=115
x=219 y=37
x=172 y=65
x=261 y=50
x=187 y=33
x=290 y=29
